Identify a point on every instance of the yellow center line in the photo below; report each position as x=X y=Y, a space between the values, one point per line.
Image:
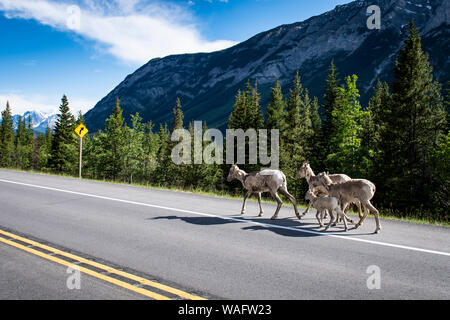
x=111 y=270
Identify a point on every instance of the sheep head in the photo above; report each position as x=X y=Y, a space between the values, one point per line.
x=309 y=196
x=323 y=180
x=303 y=170
x=233 y=172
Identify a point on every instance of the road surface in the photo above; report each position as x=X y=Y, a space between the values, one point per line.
x=203 y=246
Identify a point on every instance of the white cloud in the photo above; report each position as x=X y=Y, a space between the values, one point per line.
x=20 y=103
x=132 y=30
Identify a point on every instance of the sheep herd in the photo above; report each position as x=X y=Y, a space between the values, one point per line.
x=326 y=193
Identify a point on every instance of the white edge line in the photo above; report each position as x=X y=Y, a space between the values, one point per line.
x=267 y=225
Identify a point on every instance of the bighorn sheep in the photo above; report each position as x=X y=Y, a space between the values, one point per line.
x=263 y=181
x=324 y=204
x=307 y=173
x=346 y=192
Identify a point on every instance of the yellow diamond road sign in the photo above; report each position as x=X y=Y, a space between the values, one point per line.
x=81 y=130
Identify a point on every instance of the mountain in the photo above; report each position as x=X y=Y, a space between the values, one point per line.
x=39 y=120
x=207 y=82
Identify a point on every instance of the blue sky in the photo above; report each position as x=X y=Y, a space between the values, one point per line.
x=85 y=48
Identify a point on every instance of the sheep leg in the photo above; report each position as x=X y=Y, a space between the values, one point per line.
x=331 y=219
x=248 y=194
x=358 y=204
x=341 y=213
x=375 y=213
x=284 y=192
x=321 y=217
x=307 y=209
x=261 y=212
x=345 y=213
x=280 y=203
x=360 y=222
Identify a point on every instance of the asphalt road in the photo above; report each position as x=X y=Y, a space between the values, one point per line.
x=202 y=244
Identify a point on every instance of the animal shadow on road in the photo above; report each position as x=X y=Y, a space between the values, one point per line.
x=203 y=221
x=285 y=227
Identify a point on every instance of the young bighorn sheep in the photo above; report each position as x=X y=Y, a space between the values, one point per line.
x=307 y=173
x=263 y=181
x=346 y=192
x=324 y=204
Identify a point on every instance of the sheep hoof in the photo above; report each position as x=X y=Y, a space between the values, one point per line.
x=304 y=213
x=273 y=217
x=242 y=212
x=260 y=214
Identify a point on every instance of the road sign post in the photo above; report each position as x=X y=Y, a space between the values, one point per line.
x=81 y=158
x=81 y=131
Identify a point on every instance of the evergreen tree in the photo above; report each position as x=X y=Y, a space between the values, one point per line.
x=246 y=112
x=315 y=158
x=6 y=137
x=276 y=109
x=64 y=143
x=45 y=149
x=23 y=144
x=162 y=175
x=80 y=118
x=293 y=104
x=178 y=116
x=134 y=152
x=114 y=143
x=331 y=97
x=345 y=138
x=412 y=127
x=298 y=122
x=255 y=117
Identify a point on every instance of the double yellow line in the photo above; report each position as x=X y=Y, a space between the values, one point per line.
x=104 y=277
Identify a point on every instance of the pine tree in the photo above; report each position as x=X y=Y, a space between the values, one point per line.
x=45 y=149
x=276 y=109
x=246 y=112
x=293 y=104
x=134 y=152
x=162 y=175
x=315 y=158
x=6 y=137
x=23 y=144
x=346 y=122
x=331 y=96
x=255 y=117
x=114 y=143
x=80 y=118
x=64 y=143
x=178 y=116
x=412 y=127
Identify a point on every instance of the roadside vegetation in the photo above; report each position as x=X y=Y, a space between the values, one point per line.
x=400 y=141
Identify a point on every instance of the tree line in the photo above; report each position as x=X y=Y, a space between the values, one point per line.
x=400 y=141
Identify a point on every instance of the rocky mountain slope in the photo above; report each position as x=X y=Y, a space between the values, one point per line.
x=207 y=82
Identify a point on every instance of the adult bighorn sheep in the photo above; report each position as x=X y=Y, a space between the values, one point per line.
x=263 y=181
x=346 y=192
x=307 y=173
